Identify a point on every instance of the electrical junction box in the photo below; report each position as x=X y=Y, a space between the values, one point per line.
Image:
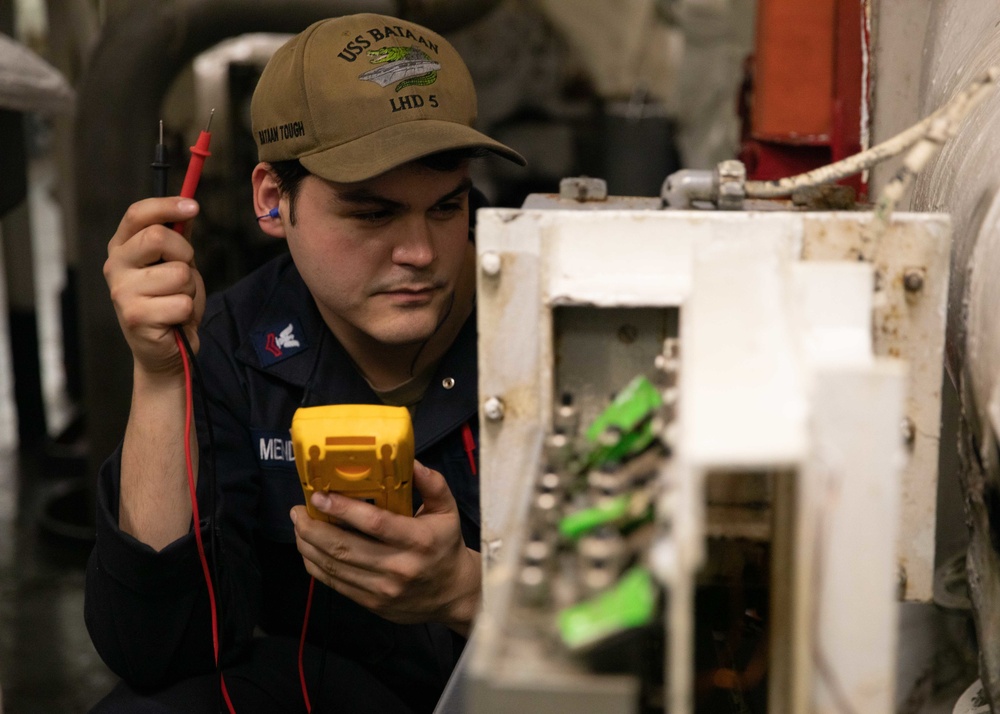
x=786 y=501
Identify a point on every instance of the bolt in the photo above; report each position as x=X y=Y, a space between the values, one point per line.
x=536 y=551
x=532 y=576
x=557 y=450
x=628 y=334
x=550 y=481
x=583 y=188
x=493 y=409
x=491 y=550
x=909 y=430
x=566 y=419
x=490 y=263
x=913 y=280
x=730 y=184
x=546 y=501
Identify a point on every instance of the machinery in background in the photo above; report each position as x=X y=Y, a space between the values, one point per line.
x=805 y=100
x=956 y=43
x=709 y=465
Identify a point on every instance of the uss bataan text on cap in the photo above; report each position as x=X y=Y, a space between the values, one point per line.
x=353 y=97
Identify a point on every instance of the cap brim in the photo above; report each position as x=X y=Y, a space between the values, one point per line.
x=385 y=149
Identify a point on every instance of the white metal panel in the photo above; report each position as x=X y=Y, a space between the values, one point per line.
x=742 y=402
x=642 y=257
x=833 y=302
x=908 y=324
x=514 y=357
x=615 y=258
x=776 y=374
x=855 y=474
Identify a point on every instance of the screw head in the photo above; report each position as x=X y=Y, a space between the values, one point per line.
x=909 y=431
x=490 y=263
x=448 y=382
x=493 y=409
x=913 y=280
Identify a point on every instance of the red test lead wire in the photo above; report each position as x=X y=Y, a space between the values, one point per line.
x=302 y=646
x=195 y=515
x=198 y=154
x=470 y=446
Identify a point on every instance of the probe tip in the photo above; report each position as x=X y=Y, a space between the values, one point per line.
x=161 y=131
x=208 y=126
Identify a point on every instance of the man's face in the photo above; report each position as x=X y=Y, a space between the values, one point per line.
x=383 y=257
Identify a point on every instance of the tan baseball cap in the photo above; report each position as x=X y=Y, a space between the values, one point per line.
x=353 y=97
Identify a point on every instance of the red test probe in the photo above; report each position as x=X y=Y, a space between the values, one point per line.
x=198 y=154
x=160 y=167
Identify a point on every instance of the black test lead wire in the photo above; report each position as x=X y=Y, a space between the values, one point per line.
x=160 y=171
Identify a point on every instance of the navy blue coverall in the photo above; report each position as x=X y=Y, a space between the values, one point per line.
x=265 y=351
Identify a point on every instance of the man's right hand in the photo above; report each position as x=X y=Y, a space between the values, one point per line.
x=154 y=283
x=155 y=287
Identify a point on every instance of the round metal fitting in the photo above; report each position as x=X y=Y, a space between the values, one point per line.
x=909 y=431
x=913 y=280
x=546 y=501
x=532 y=576
x=537 y=551
x=550 y=481
x=730 y=184
x=490 y=263
x=493 y=408
x=448 y=382
x=583 y=188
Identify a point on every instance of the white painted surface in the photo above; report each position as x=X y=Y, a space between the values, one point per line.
x=855 y=470
x=742 y=399
x=833 y=302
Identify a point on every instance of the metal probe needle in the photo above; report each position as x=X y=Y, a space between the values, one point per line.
x=160 y=167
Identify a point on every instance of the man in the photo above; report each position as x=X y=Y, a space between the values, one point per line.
x=363 y=126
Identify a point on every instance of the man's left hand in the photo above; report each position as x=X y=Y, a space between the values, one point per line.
x=404 y=569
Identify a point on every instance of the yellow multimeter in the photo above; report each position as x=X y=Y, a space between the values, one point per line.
x=364 y=451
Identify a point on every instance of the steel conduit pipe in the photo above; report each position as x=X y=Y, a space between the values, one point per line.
x=963 y=41
x=119 y=104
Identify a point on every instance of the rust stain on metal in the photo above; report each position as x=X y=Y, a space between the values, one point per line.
x=501 y=287
x=519 y=401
